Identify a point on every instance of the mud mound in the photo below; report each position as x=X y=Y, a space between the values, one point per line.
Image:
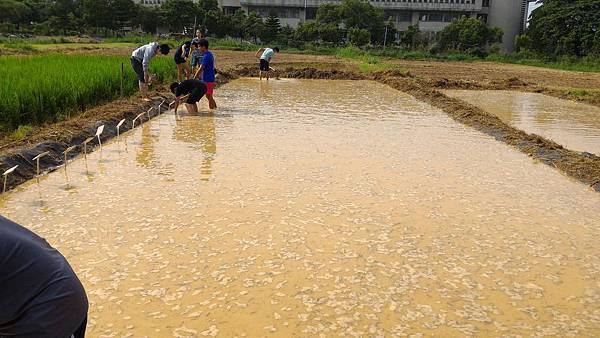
x=303 y=73
x=585 y=167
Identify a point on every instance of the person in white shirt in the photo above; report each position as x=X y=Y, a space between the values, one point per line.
x=140 y=62
x=266 y=55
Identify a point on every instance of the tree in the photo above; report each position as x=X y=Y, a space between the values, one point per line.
x=208 y=5
x=467 y=33
x=179 y=14
x=148 y=18
x=360 y=14
x=330 y=33
x=218 y=23
x=411 y=37
x=59 y=15
x=97 y=13
x=286 y=35
x=122 y=13
x=566 y=27
x=329 y=14
x=307 y=31
x=359 y=36
x=13 y=11
x=272 y=28
x=254 y=25
x=390 y=31
x=238 y=23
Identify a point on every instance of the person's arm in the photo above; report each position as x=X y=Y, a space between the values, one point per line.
x=273 y=69
x=148 y=55
x=259 y=53
x=199 y=71
x=178 y=101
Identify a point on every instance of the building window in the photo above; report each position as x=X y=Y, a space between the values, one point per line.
x=486 y=3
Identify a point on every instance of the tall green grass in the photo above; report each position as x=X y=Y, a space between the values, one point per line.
x=46 y=88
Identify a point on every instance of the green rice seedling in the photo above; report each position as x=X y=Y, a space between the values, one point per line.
x=42 y=88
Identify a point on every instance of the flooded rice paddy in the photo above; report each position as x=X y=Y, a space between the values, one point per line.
x=574 y=125
x=311 y=208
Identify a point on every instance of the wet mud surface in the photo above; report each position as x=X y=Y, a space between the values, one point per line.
x=583 y=166
x=298 y=210
x=574 y=125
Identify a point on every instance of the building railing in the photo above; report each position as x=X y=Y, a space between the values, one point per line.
x=397 y=4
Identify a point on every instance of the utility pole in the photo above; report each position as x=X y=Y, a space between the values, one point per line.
x=195 y=21
x=385 y=36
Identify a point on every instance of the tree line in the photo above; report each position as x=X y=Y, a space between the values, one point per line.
x=559 y=27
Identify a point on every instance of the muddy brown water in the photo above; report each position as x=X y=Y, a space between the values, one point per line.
x=571 y=124
x=320 y=208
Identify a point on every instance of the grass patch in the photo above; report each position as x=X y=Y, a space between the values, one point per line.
x=20 y=46
x=587 y=64
x=585 y=94
x=47 y=88
x=21 y=132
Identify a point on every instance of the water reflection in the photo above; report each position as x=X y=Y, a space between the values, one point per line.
x=200 y=132
x=574 y=125
x=146 y=154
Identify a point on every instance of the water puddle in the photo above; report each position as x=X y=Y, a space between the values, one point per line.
x=315 y=208
x=573 y=125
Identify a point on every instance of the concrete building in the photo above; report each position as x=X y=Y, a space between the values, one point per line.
x=429 y=15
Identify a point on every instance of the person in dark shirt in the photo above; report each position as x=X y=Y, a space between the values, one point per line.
x=181 y=56
x=191 y=91
x=40 y=295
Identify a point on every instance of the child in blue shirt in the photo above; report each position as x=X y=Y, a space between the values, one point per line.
x=207 y=68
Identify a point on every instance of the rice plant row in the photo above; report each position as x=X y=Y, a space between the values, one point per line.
x=46 y=88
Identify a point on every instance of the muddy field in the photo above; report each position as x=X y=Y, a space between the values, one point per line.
x=297 y=210
x=422 y=79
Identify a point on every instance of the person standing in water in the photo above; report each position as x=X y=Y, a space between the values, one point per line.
x=266 y=55
x=189 y=91
x=40 y=295
x=181 y=56
x=207 y=68
x=140 y=62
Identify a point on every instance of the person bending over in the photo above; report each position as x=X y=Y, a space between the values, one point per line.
x=140 y=62
x=189 y=91
x=266 y=55
x=207 y=69
x=181 y=56
x=40 y=295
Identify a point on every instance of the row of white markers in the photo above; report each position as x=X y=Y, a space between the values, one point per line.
x=99 y=132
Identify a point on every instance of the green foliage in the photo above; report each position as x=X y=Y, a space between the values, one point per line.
x=362 y=15
x=359 y=36
x=468 y=34
x=62 y=84
x=329 y=14
x=254 y=26
x=271 y=29
x=308 y=31
x=178 y=14
x=565 y=27
x=13 y=11
x=411 y=38
x=22 y=132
